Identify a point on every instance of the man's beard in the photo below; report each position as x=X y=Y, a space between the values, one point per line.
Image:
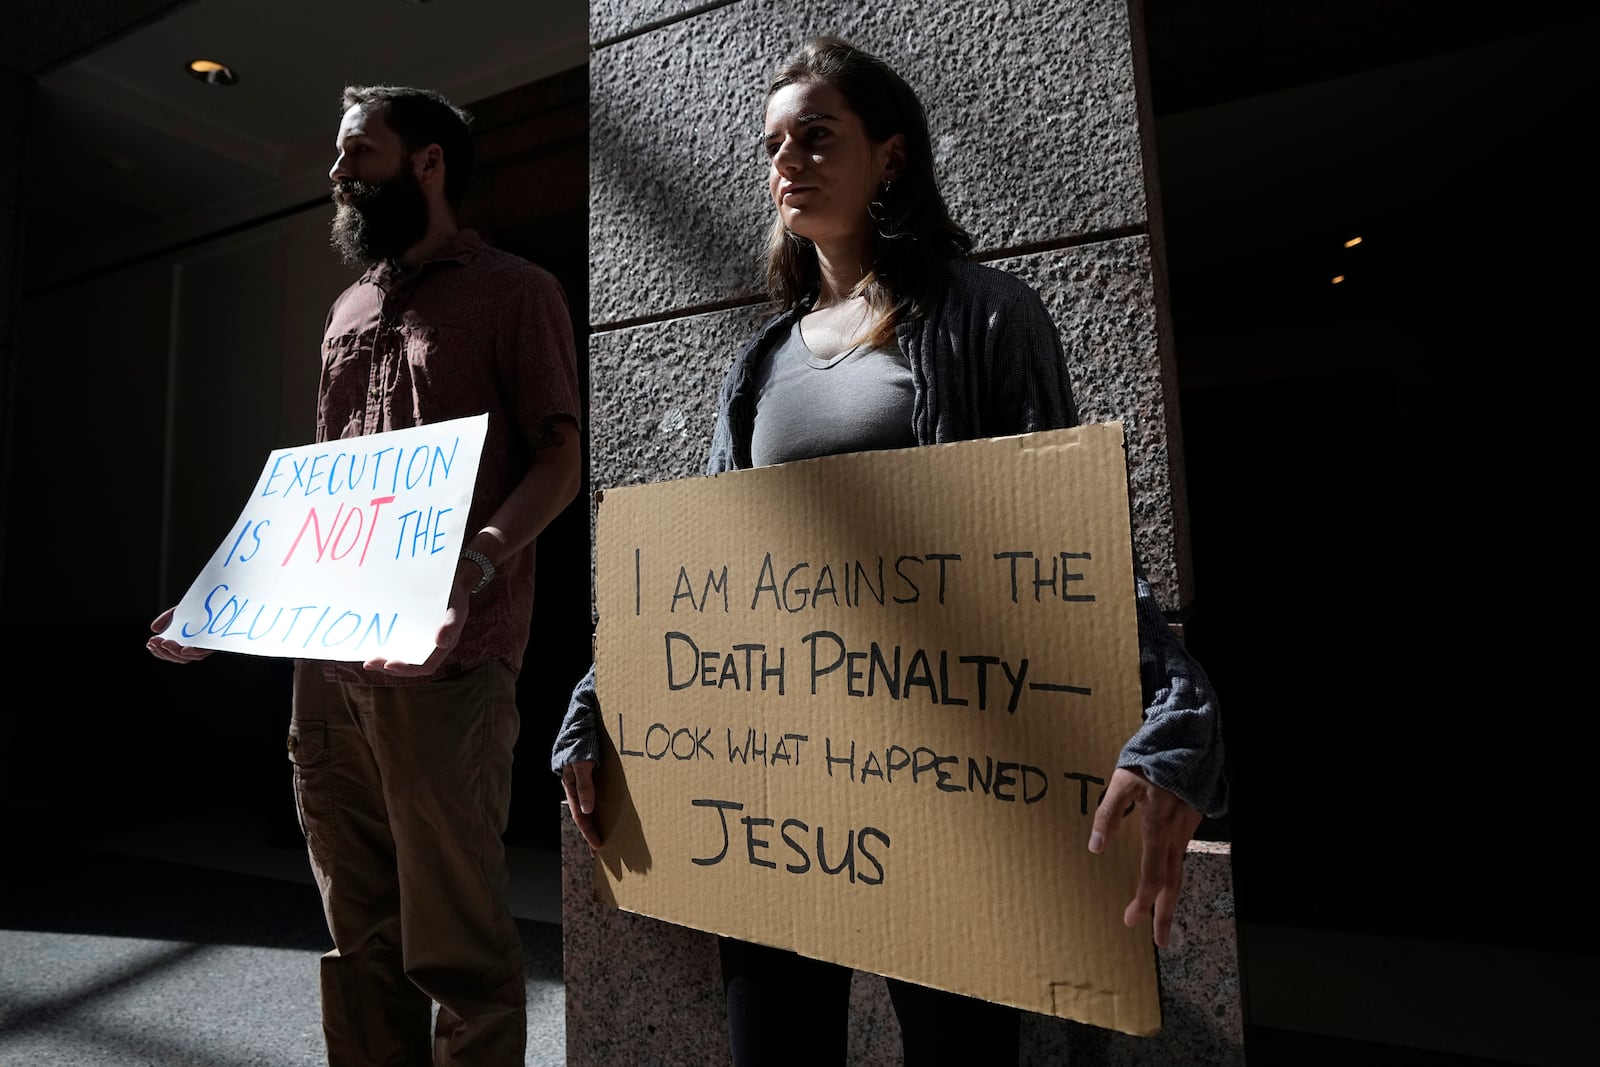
x=378 y=221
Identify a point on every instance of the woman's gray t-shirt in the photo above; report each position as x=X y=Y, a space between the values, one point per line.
x=858 y=401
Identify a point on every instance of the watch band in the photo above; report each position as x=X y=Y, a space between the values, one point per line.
x=484 y=564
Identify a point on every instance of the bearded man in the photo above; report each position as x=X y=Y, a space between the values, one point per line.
x=403 y=770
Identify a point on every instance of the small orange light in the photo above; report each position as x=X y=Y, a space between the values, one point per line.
x=1352 y=242
x=1337 y=278
x=212 y=73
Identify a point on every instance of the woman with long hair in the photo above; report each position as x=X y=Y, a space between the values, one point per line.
x=889 y=335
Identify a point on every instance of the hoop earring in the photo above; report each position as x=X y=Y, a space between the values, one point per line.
x=884 y=222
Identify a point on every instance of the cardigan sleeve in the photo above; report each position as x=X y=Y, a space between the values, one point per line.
x=1031 y=383
x=578 y=738
x=1179 y=746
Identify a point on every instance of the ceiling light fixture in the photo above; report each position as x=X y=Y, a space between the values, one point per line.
x=1352 y=242
x=212 y=73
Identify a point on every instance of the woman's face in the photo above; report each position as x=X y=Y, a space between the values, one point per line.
x=825 y=169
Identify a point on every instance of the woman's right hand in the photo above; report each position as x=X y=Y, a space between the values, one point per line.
x=577 y=778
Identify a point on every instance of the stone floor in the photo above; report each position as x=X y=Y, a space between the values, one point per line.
x=193 y=942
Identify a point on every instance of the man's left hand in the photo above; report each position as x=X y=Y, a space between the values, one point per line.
x=1166 y=823
x=455 y=620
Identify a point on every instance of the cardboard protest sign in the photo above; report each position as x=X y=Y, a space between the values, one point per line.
x=345 y=550
x=864 y=706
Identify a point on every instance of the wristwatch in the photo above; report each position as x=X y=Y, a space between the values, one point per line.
x=484 y=564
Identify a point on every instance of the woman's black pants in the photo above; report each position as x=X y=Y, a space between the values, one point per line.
x=784 y=1008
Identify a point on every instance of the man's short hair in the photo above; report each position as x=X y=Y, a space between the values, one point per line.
x=422 y=117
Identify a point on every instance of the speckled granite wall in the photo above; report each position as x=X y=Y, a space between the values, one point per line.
x=1030 y=146
x=647 y=993
x=1035 y=112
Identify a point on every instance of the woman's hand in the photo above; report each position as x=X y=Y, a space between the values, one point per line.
x=1166 y=823
x=577 y=778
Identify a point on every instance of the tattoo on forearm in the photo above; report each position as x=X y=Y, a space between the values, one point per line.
x=551 y=433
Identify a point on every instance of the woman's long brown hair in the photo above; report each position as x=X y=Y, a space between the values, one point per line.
x=911 y=230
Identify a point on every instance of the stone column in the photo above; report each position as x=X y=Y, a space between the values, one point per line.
x=1035 y=111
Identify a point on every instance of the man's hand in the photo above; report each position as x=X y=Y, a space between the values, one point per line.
x=577 y=778
x=455 y=620
x=1166 y=823
x=168 y=649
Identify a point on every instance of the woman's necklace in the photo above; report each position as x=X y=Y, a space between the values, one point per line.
x=831 y=330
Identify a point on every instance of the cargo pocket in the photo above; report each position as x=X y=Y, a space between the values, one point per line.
x=308 y=750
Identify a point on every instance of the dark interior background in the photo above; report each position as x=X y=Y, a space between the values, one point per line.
x=139 y=740
x=1387 y=477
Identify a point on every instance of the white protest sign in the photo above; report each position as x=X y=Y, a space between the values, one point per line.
x=345 y=550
